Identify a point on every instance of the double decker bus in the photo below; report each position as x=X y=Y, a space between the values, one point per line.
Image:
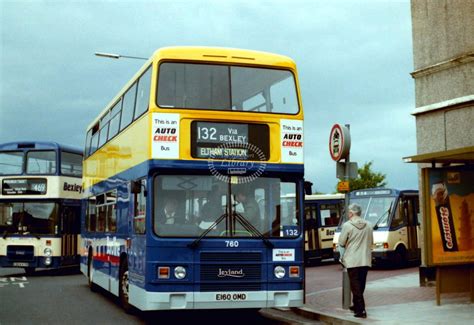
x=322 y=213
x=186 y=175
x=394 y=216
x=40 y=205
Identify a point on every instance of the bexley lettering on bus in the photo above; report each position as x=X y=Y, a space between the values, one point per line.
x=72 y=187
x=233 y=138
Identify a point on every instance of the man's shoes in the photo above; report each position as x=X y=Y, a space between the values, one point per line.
x=361 y=315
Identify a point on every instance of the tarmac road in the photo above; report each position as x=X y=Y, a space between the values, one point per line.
x=65 y=298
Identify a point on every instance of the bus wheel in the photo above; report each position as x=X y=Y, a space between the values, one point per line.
x=400 y=256
x=91 y=284
x=29 y=270
x=123 y=286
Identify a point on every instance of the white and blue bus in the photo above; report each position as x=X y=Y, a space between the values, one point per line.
x=186 y=176
x=394 y=215
x=40 y=205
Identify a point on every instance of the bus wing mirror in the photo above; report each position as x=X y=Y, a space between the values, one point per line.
x=135 y=187
x=308 y=188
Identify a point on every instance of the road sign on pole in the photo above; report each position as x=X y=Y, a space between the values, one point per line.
x=339 y=142
x=341 y=170
x=339 y=148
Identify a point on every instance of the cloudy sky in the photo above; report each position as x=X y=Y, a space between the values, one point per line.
x=353 y=58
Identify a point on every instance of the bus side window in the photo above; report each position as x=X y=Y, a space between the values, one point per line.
x=91 y=214
x=411 y=212
x=100 y=213
x=309 y=212
x=399 y=217
x=111 y=201
x=139 y=204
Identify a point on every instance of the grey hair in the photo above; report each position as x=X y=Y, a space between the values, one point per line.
x=356 y=209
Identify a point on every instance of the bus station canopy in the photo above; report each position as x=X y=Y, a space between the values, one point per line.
x=461 y=155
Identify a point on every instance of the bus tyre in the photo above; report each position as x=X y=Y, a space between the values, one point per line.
x=123 y=287
x=92 y=285
x=29 y=270
x=400 y=256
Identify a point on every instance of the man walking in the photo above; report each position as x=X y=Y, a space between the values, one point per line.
x=357 y=238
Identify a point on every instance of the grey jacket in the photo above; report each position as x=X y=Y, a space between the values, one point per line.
x=356 y=238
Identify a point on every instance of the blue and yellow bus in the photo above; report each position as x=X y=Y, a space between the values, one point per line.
x=40 y=205
x=185 y=172
x=394 y=214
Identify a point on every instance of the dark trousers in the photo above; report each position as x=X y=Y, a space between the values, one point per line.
x=357 y=278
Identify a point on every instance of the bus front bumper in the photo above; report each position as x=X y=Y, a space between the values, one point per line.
x=37 y=261
x=144 y=300
x=383 y=255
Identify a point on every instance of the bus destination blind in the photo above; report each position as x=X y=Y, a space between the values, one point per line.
x=24 y=186
x=229 y=141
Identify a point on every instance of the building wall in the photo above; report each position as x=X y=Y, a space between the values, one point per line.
x=443 y=53
x=442 y=29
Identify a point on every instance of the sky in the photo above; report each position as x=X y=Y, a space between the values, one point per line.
x=354 y=60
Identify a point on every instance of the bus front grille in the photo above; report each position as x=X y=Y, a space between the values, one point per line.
x=231 y=272
x=20 y=253
x=235 y=271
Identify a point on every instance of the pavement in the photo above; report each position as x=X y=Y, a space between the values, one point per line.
x=393 y=300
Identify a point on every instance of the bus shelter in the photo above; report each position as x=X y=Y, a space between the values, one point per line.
x=447 y=200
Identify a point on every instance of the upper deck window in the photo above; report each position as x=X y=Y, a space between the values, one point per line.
x=222 y=87
x=71 y=164
x=11 y=163
x=41 y=162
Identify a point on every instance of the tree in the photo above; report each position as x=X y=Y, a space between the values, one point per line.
x=367 y=178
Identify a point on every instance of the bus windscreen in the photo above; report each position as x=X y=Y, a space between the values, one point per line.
x=188 y=205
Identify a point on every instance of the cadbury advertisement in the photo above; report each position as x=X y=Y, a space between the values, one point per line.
x=452 y=215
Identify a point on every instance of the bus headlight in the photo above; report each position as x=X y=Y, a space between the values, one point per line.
x=179 y=272
x=47 y=251
x=279 y=272
x=381 y=245
x=47 y=260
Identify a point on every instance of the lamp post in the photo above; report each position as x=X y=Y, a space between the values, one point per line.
x=118 y=56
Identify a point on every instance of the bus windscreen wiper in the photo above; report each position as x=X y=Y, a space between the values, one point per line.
x=208 y=230
x=251 y=229
x=244 y=222
x=376 y=226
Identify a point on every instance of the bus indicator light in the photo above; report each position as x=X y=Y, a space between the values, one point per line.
x=163 y=272
x=294 y=271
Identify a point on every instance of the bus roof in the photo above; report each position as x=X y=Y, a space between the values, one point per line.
x=324 y=196
x=203 y=54
x=37 y=145
x=221 y=54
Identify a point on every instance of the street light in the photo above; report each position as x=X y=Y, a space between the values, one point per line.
x=118 y=56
